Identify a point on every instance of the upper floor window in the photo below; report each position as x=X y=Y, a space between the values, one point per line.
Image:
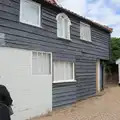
x=63 y=26
x=85 y=31
x=30 y=12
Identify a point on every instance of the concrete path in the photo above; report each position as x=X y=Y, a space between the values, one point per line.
x=105 y=107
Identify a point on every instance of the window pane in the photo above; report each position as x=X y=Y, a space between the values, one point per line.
x=85 y=32
x=34 y=63
x=58 y=71
x=60 y=27
x=70 y=71
x=46 y=63
x=41 y=63
x=63 y=71
x=66 y=28
x=30 y=12
x=63 y=26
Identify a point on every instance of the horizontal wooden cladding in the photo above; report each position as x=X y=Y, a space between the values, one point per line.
x=63 y=57
x=64 y=103
x=85 y=95
x=86 y=88
x=86 y=84
x=98 y=48
x=9 y=9
x=35 y=40
x=25 y=31
x=86 y=77
x=8 y=16
x=64 y=48
x=64 y=94
x=11 y=3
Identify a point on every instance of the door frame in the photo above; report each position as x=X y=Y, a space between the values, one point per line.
x=99 y=76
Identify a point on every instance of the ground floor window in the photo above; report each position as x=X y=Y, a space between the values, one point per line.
x=63 y=71
x=41 y=63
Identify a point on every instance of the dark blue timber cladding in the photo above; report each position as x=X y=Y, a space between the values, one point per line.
x=64 y=94
x=86 y=77
x=84 y=54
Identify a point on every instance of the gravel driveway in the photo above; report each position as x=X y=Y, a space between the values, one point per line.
x=105 y=107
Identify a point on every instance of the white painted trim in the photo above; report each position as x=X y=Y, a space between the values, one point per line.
x=65 y=17
x=73 y=71
x=62 y=38
x=50 y=65
x=20 y=15
x=119 y=72
x=65 y=81
x=98 y=70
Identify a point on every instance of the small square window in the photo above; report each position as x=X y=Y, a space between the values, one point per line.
x=30 y=13
x=63 y=71
x=85 y=32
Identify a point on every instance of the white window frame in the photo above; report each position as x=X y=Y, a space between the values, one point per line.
x=63 y=26
x=21 y=12
x=65 y=81
x=90 y=40
x=51 y=70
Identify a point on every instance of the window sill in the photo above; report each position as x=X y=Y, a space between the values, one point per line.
x=86 y=40
x=41 y=74
x=64 y=39
x=29 y=24
x=65 y=81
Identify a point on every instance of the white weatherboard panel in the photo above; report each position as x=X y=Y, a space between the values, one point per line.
x=32 y=94
x=98 y=71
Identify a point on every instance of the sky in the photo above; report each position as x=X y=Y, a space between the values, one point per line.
x=106 y=12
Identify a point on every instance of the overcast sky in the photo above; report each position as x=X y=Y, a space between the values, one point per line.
x=106 y=12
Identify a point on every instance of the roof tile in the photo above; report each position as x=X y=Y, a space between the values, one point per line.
x=51 y=1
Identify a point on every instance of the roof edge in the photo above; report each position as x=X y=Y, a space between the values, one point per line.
x=73 y=13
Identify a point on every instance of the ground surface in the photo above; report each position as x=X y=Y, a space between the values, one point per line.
x=105 y=107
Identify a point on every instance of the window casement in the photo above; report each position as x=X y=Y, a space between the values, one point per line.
x=63 y=26
x=30 y=13
x=85 y=32
x=63 y=71
x=41 y=63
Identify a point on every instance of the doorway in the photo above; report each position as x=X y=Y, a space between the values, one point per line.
x=99 y=76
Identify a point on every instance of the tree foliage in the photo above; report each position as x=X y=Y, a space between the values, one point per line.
x=115 y=49
x=111 y=67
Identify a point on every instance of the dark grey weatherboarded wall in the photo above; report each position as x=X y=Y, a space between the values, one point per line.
x=64 y=94
x=86 y=77
x=83 y=54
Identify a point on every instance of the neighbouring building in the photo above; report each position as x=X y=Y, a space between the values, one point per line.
x=49 y=56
